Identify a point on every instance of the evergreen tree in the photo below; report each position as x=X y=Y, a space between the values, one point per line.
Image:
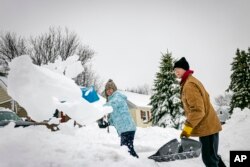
x=165 y=101
x=240 y=80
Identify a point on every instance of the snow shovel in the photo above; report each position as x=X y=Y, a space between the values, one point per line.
x=174 y=150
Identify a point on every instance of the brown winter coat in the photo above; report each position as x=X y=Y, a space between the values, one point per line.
x=199 y=112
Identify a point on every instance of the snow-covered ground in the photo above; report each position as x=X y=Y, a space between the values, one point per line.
x=91 y=146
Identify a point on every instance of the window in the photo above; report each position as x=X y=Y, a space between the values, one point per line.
x=143 y=115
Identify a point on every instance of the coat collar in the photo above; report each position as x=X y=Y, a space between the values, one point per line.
x=185 y=76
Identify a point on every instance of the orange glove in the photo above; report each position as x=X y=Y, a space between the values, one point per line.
x=186 y=132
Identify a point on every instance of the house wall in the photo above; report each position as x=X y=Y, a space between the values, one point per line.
x=6 y=105
x=21 y=112
x=133 y=114
x=4 y=97
x=136 y=114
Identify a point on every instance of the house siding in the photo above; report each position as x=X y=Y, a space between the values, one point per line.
x=6 y=102
x=4 y=97
x=136 y=114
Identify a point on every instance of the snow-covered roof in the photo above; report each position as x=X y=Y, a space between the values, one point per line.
x=139 y=100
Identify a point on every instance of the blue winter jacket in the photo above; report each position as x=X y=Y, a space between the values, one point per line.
x=120 y=117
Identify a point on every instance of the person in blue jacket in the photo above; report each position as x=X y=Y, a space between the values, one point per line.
x=120 y=117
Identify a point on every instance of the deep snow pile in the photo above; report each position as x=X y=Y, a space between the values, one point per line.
x=91 y=146
x=235 y=134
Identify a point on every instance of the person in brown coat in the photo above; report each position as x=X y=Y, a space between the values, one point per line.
x=201 y=118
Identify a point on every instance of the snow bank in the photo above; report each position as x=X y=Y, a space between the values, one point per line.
x=235 y=134
x=90 y=146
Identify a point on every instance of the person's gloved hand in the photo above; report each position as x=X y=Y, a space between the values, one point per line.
x=105 y=123
x=102 y=123
x=186 y=132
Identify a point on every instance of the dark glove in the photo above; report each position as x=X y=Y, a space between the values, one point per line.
x=102 y=123
x=186 y=132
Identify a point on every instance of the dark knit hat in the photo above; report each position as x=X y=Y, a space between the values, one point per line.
x=110 y=85
x=182 y=63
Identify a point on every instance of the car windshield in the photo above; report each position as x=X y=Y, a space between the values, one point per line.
x=5 y=115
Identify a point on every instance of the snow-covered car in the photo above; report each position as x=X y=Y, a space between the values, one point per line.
x=7 y=116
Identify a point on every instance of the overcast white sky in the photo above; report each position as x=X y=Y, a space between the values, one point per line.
x=128 y=36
